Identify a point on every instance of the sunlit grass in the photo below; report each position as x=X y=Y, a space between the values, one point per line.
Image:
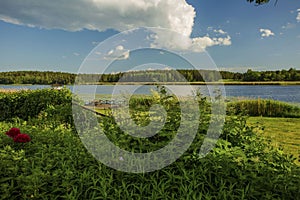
x=283 y=132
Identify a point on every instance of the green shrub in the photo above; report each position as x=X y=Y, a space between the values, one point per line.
x=27 y=104
x=56 y=165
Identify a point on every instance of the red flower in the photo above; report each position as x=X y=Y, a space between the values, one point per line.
x=22 y=138
x=13 y=132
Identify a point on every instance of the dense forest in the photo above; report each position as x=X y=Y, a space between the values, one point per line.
x=36 y=77
x=50 y=78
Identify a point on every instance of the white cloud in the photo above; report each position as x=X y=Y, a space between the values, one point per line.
x=298 y=16
x=178 y=42
x=119 y=53
x=76 y=54
x=220 y=31
x=101 y=15
x=204 y=42
x=266 y=32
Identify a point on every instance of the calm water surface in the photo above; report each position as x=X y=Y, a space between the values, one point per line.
x=282 y=93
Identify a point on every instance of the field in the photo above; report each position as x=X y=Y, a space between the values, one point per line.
x=56 y=165
x=283 y=132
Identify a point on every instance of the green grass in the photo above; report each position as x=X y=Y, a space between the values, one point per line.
x=263 y=107
x=283 y=132
x=56 y=165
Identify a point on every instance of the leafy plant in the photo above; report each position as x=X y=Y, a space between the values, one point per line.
x=56 y=165
x=27 y=104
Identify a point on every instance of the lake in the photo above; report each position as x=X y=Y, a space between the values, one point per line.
x=289 y=93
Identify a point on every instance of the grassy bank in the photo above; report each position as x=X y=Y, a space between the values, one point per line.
x=283 y=132
x=56 y=165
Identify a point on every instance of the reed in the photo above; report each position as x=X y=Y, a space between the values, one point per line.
x=263 y=107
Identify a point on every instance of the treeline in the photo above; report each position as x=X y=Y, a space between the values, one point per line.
x=152 y=76
x=36 y=77
x=279 y=75
x=192 y=76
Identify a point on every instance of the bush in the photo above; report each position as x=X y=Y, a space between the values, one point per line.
x=26 y=104
x=56 y=165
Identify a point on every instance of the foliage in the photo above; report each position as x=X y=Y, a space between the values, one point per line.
x=261 y=107
x=26 y=104
x=36 y=77
x=283 y=75
x=180 y=75
x=259 y=2
x=55 y=164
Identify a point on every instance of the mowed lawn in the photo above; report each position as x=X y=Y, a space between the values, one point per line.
x=284 y=132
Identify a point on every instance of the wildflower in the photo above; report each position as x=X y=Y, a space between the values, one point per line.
x=13 y=132
x=22 y=138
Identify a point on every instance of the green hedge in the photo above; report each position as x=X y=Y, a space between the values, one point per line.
x=29 y=103
x=266 y=108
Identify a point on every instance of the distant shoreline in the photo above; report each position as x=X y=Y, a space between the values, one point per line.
x=201 y=83
x=183 y=83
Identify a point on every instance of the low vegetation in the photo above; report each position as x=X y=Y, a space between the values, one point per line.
x=29 y=103
x=263 y=107
x=282 y=132
x=55 y=164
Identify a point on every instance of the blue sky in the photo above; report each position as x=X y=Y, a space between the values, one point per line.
x=36 y=35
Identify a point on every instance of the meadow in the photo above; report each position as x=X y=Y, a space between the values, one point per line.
x=282 y=132
x=245 y=164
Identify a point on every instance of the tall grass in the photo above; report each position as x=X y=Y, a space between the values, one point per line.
x=262 y=107
x=56 y=165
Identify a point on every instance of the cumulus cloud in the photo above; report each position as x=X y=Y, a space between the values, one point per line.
x=266 y=32
x=178 y=42
x=298 y=16
x=119 y=53
x=201 y=43
x=101 y=15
